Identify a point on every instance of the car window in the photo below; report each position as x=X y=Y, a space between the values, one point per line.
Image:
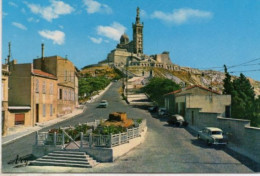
x=216 y=132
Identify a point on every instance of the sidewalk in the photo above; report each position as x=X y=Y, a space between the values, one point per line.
x=21 y=131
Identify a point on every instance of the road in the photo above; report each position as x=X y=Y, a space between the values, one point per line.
x=166 y=149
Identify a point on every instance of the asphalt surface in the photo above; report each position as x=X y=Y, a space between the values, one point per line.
x=167 y=149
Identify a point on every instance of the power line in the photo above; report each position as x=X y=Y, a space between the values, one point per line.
x=243 y=63
x=246 y=71
x=233 y=66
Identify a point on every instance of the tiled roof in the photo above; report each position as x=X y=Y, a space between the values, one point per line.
x=190 y=87
x=44 y=74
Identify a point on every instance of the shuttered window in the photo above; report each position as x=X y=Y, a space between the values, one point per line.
x=43 y=110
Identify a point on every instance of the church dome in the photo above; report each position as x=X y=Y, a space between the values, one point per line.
x=124 y=39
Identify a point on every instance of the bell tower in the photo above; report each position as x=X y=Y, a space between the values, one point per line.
x=138 y=34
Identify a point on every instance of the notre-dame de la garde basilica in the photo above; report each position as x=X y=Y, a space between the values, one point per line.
x=131 y=52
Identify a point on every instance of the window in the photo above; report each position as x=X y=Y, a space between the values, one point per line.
x=51 y=88
x=3 y=86
x=60 y=94
x=72 y=96
x=72 y=76
x=65 y=95
x=19 y=119
x=65 y=75
x=43 y=87
x=43 y=110
x=69 y=78
x=37 y=86
x=50 y=109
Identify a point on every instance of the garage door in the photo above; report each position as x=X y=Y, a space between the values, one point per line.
x=19 y=119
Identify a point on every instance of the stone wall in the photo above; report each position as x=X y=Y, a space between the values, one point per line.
x=242 y=138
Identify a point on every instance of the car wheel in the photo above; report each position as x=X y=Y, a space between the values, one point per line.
x=208 y=143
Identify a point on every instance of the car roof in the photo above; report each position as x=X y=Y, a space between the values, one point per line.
x=213 y=129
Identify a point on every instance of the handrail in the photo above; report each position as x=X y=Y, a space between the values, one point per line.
x=97 y=140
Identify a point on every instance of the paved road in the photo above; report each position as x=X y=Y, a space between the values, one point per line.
x=166 y=148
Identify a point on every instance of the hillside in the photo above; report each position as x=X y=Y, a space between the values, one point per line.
x=106 y=71
x=189 y=76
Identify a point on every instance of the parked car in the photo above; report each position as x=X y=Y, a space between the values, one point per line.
x=212 y=135
x=153 y=109
x=162 y=112
x=177 y=120
x=103 y=104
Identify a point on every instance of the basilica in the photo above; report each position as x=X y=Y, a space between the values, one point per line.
x=131 y=52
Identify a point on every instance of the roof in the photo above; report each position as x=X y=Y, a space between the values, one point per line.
x=43 y=74
x=213 y=129
x=191 y=87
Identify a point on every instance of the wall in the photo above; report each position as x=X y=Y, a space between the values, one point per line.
x=48 y=98
x=4 y=96
x=242 y=138
x=27 y=118
x=19 y=92
x=208 y=103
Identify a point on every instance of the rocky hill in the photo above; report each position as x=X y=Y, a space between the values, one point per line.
x=184 y=75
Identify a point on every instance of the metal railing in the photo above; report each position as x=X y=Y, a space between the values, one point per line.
x=89 y=139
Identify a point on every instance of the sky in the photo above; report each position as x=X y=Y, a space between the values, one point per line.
x=204 y=34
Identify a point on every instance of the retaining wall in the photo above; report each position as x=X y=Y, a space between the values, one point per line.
x=242 y=138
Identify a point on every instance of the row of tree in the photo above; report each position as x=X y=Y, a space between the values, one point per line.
x=89 y=85
x=244 y=103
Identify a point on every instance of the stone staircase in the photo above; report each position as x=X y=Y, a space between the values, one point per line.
x=65 y=158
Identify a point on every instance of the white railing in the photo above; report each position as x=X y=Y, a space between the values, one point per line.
x=90 y=139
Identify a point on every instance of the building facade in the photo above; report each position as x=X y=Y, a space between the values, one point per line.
x=67 y=79
x=32 y=95
x=4 y=96
x=191 y=100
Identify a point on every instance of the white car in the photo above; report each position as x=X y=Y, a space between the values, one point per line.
x=103 y=104
x=212 y=135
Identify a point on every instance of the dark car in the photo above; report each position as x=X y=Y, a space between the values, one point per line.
x=153 y=109
x=177 y=120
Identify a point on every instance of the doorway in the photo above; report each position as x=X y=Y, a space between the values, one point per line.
x=37 y=113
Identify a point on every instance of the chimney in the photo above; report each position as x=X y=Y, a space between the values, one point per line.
x=9 y=53
x=43 y=51
x=42 y=59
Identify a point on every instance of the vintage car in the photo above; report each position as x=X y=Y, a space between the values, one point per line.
x=177 y=120
x=212 y=135
x=103 y=104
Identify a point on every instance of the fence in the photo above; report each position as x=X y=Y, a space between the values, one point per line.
x=89 y=139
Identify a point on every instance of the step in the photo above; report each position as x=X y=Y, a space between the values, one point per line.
x=70 y=152
x=65 y=158
x=67 y=155
x=63 y=161
x=41 y=163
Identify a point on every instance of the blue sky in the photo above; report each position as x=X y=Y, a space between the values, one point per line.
x=197 y=33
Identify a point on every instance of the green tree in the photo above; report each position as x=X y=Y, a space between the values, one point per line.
x=157 y=87
x=244 y=105
x=228 y=86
